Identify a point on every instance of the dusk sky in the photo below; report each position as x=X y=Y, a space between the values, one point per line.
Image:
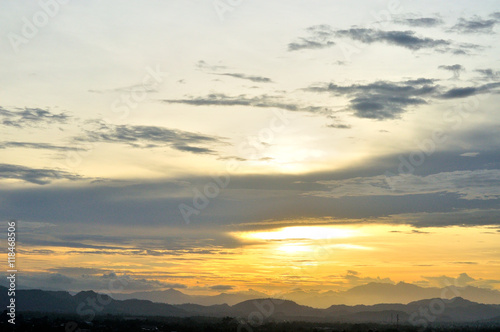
x=231 y=145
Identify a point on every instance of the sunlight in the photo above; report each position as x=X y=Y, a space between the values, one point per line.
x=294 y=248
x=301 y=232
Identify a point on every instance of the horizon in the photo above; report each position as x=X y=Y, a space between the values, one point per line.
x=226 y=146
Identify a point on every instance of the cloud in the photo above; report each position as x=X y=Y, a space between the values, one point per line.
x=474 y=25
x=382 y=100
x=259 y=79
x=469 y=185
x=489 y=73
x=339 y=126
x=38 y=146
x=455 y=69
x=263 y=101
x=202 y=65
x=35 y=175
x=153 y=137
x=420 y=22
x=320 y=36
x=30 y=117
x=464 y=92
x=444 y=281
x=406 y=39
x=458 y=217
x=469 y=154
x=83 y=282
x=353 y=278
x=221 y=287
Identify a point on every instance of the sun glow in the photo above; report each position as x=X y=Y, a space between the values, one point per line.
x=301 y=232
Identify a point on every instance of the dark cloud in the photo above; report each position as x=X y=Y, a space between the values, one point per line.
x=339 y=126
x=59 y=281
x=420 y=22
x=489 y=73
x=221 y=287
x=474 y=25
x=153 y=137
x=30 y=117
x=320 y=36
x=259 y=79
x=35 y=175
x=38 y=146
x=382 y=99
x=469 y=91
x=460 y=92
x=263 y=101
x=455 y=69
x=406 y=39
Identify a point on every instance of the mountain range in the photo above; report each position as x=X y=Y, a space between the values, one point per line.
x=88 y=304
x=369 y=294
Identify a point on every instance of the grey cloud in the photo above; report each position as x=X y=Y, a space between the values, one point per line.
x=58 y=281
x=320 y=36
x=455 y=69
x=460 y=92
x=152 y=137
x=474 y=25
x=489 y=73
x=221 y=287
x=263 y=101
x=420 y=22
x=456 y=217
x=259 y=79
x=382 y=100
x=470 y=185
x=406 y=39
x=30 y=117
x=339 y=126
x=35 y=175
x=469 y=91
x=38 y=146
x=202 y=65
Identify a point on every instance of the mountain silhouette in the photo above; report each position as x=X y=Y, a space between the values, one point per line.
x=450 y=310
x=369 y=294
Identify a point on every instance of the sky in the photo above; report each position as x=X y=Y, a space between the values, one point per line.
x=230 y=145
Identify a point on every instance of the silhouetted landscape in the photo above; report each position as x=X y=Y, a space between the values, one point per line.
x=96 y=311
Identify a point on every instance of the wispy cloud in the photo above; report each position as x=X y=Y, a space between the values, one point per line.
x=153 y=137
x=258 y=79
x=420 y=22
x=319 y=36
x=30 y=117
x=406 y=39
x=35 y=175
x=455 y=69
x=38 y=146
x=263 y=101
x=475 y=24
